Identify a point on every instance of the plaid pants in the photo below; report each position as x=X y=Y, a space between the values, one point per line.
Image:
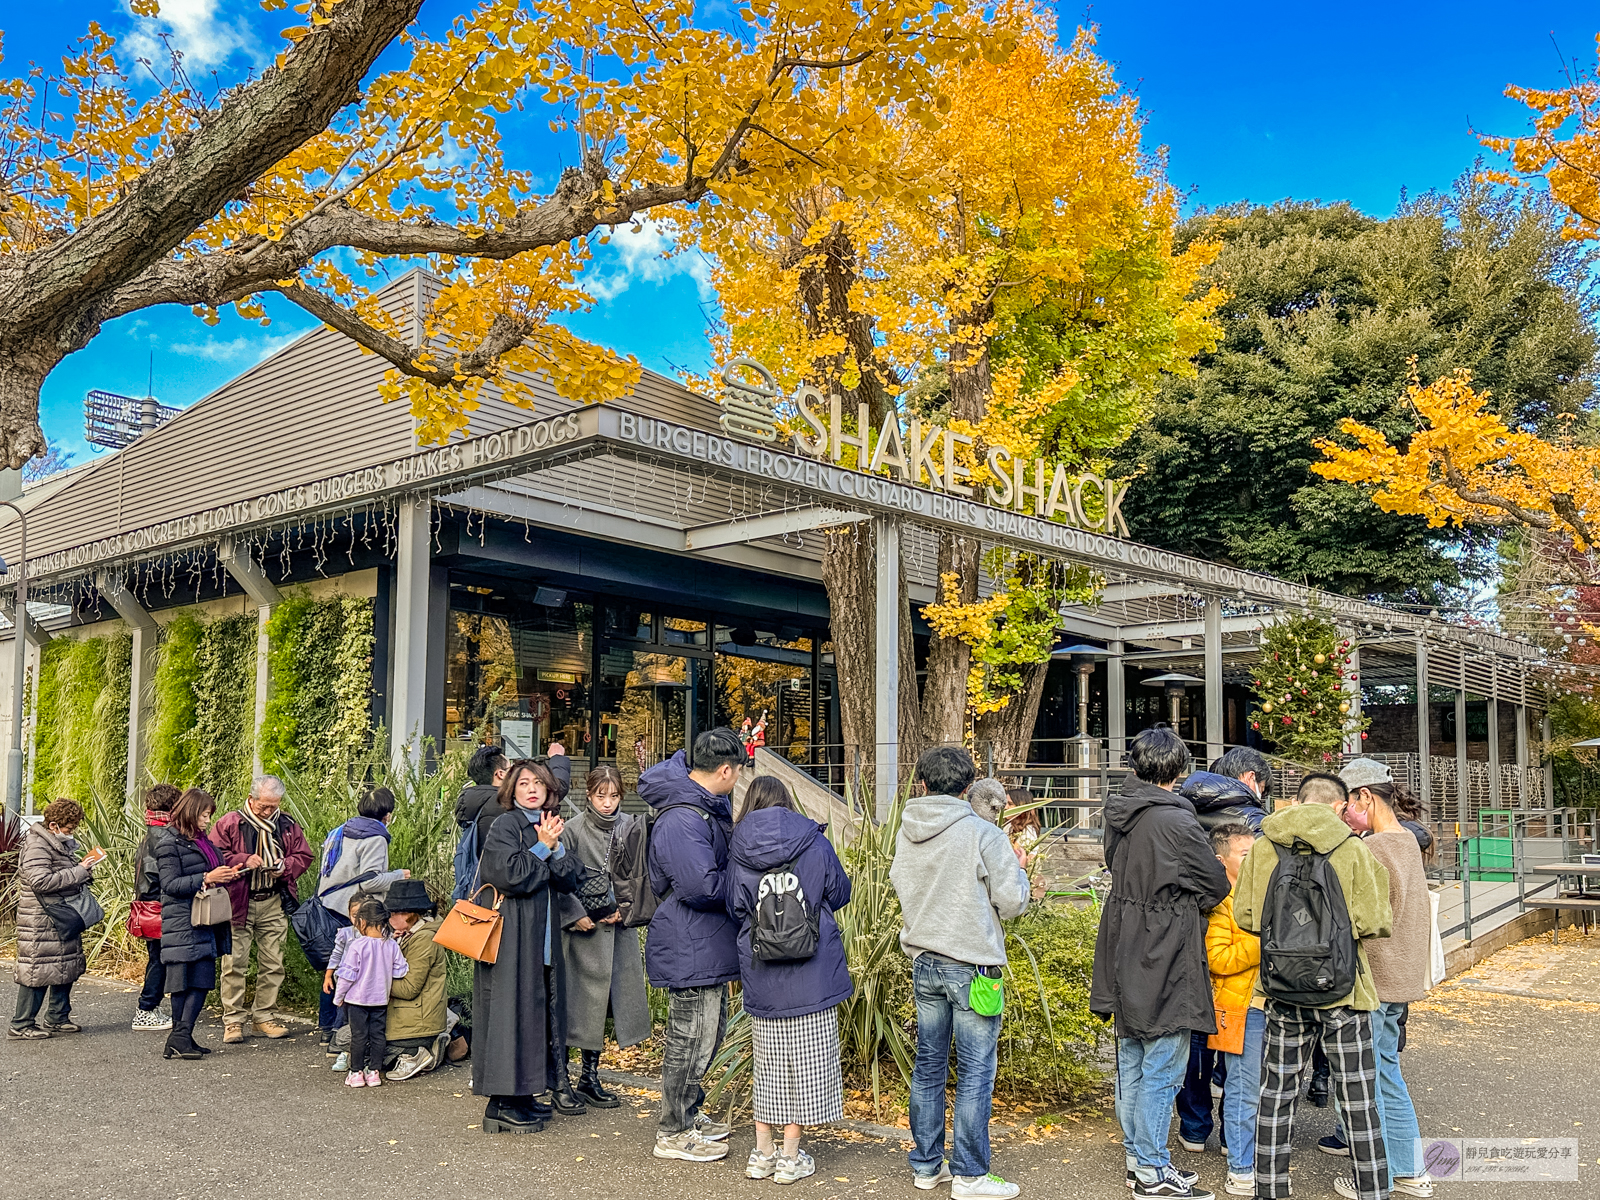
x=1346 y=1037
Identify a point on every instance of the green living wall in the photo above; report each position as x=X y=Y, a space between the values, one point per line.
x=203 y=719
x=319 y=713
x=81 y=720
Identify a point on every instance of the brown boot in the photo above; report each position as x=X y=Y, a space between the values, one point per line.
x=272 y=1028
x=232 y=1034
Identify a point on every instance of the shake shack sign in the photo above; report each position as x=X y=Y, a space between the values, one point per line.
x=924 y=455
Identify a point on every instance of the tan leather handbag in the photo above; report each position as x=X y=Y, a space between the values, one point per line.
x=471 y=929
x=210 y=906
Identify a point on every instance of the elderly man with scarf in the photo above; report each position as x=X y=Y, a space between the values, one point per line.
x=271 y=848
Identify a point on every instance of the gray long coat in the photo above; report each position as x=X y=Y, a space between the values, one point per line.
x=49 y=867
x=603 y=966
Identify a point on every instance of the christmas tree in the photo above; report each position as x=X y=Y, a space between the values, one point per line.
x=1301 y=680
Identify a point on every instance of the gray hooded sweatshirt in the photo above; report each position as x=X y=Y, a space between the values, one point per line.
x=957 y=879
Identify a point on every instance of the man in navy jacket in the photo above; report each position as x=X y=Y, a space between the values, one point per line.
x=692 y=948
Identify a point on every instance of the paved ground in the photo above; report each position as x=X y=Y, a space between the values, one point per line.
x=102 y=1115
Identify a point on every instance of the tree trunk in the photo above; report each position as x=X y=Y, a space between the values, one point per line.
x=827 y=273
x=24 y=364
x=1010 y=730
x=944 y=691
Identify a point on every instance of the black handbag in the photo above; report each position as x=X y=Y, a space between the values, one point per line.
x=594 y=890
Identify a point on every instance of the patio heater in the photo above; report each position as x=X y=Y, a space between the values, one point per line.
x=1083 y=658
x=1174 y=684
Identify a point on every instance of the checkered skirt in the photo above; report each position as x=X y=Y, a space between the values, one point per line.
x=797 y=1075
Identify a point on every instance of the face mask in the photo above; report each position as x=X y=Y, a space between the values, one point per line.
x=1358 y=821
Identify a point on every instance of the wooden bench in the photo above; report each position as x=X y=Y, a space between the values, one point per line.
x=1569 y=903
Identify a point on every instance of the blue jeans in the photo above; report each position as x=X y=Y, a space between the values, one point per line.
x=1241 y=1096
x=944 y=1014
x=1194 y=1098
x=1149 y=1074
x=1394 y=1099
x=1398 y=1114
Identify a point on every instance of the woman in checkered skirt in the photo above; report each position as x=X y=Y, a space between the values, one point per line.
x=778 y=851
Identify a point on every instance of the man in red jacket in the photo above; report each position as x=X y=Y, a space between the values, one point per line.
x=271 y=847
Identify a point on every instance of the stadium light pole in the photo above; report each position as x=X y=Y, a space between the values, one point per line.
x=19 y=665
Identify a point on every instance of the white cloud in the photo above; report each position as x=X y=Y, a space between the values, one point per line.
x=194 y=27
x=643 y=258
x=243 y=350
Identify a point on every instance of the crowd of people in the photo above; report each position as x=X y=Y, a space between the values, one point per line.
x=1237 y=946
x=1239 y=953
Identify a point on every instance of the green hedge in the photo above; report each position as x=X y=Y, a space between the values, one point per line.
x=170 y=754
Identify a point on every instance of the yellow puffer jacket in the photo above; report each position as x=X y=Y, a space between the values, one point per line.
x=1234 y=957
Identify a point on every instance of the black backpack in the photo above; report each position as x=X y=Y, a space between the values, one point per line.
x=630 y=870
x=1308 y=951
x=786 y=928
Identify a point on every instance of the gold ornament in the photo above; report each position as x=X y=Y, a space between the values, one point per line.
x=1267 y=706
x=1320 y=659
x=1345 y=707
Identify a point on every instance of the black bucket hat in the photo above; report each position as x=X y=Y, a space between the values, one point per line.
x=408 y=895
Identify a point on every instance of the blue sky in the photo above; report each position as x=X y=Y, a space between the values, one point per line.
x=1256 y=101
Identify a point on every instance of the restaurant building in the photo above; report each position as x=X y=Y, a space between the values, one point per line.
x=617 y=577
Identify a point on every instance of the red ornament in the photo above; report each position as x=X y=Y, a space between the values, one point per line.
x=1255 y=724
x=1363 y=737
x=1288 y=720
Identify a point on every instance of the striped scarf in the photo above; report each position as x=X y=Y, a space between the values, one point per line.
x=269 y=846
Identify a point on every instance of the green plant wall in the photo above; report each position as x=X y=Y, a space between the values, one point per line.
x=224 y=711
x=318 y=715
x=81 y=721
x=170 y=755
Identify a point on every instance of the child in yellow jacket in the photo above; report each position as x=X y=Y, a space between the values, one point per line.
x=1235 y=959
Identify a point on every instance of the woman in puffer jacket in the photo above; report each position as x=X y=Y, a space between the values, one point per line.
x=48 y=963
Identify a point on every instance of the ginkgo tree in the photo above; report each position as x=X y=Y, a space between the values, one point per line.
x=301 y=182
x=1009 y=271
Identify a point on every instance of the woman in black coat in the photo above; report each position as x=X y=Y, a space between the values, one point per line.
x=511 y=1022
x=186 y=862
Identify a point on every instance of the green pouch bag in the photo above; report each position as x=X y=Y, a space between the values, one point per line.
x=987 y=995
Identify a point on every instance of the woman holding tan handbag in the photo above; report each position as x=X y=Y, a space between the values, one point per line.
x=512 y=1021
x=192 y=890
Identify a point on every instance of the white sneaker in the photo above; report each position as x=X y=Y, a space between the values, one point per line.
x=1241 y=1185
x=927 y=1183
x=710 y=1128
x=689 y=1146
x=410 y=1065
x=1346 y=1187
x=342 y=1063
x=982 y=1187
x=1192 y=1147
x=761 y=1166
x=154 y=1021
x=1414 y=1185
x=791 y=1170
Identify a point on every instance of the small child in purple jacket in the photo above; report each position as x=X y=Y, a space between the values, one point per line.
x=371 y=963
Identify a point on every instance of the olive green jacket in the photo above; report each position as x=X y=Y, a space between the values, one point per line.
x=417 y=1000
x=1363 y=879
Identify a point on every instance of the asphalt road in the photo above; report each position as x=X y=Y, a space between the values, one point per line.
x=100 y=1114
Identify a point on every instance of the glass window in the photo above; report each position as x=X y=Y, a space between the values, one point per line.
x=623 y=621
x=519 y=669
x=651 y=706
x=764 y=690
x=680 y=631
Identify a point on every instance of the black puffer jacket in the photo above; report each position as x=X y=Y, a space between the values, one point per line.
x=1222 y=800
x=183 y=869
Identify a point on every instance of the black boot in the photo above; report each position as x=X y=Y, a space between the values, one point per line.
x=1317 y=1091
x=590 y=1089
x=180 y=1044
x=504 y=1115
x=565 y=1100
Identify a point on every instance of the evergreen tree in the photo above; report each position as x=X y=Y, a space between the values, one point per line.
x=1300 y=681
x=1326 y=307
